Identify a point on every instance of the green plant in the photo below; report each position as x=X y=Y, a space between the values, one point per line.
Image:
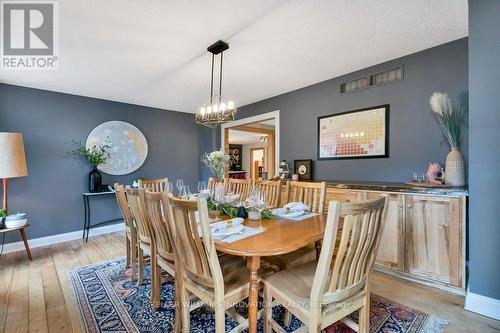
x=450 y=118
x=95 y=154
x=3 y=212
x=232 y=211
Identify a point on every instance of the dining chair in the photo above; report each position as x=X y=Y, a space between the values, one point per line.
x=239 y=186
x=220 y=283
x=212 y=182
x=162 y=254
x=154 y=185
x=130 y=230
x=271 y=190
x=313 y=195
x=324 y=292
x=145 y=239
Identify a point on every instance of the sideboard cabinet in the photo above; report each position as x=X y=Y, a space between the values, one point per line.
x=423 y=237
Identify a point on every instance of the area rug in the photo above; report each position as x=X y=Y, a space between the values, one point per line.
x=109 y=302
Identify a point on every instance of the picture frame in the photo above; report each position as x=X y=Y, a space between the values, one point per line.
x=303 y=168
x=356 y=134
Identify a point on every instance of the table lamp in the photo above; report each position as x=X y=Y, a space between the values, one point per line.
x=12 y=160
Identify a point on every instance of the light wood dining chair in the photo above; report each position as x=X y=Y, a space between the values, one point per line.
x=154 y=185
x=145 y=238
x=310 y=193
x=324 y=292
x=212 y=182
x=162 y=254
x=130 y=230
x=219 y=282
x=313 y=195
x=271 y=190
x=239 y=186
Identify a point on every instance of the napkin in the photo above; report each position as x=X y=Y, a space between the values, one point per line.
x=296 y=206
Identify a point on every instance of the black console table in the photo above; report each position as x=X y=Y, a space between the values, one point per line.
x=86 y=204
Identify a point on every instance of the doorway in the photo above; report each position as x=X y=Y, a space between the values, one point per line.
x=253 y=144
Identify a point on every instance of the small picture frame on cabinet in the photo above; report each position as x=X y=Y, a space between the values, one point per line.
x=303 y=168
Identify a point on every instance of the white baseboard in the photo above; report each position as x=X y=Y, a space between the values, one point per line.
x=60 y=238
x=483 y=305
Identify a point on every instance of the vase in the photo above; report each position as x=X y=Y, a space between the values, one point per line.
x=95 y=180
x=455 y=168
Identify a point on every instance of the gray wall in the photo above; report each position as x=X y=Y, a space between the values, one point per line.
x=415 y=136
x=51 y=194
x=484 y=160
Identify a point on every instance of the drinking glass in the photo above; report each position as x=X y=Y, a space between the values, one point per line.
x=260 y=205
x=415 y=177
x=219 y=195
x=169 y=187
x=179 y=185
x=201 y=186
x=423 y=177
x=186 y=192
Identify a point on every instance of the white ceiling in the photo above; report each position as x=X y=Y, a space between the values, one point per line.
x=243 y=138
x=153 y=52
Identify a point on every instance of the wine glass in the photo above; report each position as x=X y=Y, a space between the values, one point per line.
x=260 y=205
x=201 y=186
x=169 y=187
x=186 y=192
x=179 y=185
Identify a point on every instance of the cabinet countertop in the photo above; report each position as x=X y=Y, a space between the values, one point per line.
x=396 y=187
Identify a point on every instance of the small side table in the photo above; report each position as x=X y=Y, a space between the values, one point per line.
x=86 y=204
x=23 y=236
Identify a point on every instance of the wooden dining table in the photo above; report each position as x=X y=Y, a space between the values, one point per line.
x=280 y=236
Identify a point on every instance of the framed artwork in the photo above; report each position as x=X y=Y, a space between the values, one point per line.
x=303 y=168
x=362 y=133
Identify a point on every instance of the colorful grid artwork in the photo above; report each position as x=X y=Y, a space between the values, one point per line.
x=354 y=134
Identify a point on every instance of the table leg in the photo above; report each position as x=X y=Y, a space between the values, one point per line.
x=88 y=219
x=85 y=220
x=253 y=265
x=25 y=240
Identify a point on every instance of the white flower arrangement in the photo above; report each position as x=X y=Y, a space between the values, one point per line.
x=450 y=118
x=216 y=161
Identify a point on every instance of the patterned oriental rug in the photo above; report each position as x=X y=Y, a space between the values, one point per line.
x=109 y=302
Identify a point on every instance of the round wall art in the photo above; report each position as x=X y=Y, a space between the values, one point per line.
x=129 y=146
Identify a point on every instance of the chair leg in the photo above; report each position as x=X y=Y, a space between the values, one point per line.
x=133 y=251
x=186 y=314
x=220 y=319
x=178 y=304
x=155 y=283
x=268 y=312
x=127 y=254
x=140 y=279
x=364 y=316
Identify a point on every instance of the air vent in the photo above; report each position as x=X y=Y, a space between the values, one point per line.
x=373 y=80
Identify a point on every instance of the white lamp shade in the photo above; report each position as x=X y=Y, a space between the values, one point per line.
x=12 y=157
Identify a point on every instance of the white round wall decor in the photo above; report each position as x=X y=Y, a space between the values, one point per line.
x=129 y=146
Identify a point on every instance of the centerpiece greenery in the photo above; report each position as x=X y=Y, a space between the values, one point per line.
x=95 y=154
x=216 y=161
x=232 y=211
x=3 y=213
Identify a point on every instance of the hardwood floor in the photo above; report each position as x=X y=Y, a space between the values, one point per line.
x=36 y=296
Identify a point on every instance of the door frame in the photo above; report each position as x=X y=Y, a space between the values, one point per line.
x=254 y=119
x=251 y=158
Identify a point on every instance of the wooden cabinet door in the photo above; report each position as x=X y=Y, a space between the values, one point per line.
x=433 y=238
x=390 y=253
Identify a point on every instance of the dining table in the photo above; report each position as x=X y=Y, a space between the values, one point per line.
x=280 y=236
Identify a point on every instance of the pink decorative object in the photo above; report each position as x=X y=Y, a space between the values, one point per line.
x=435 y=173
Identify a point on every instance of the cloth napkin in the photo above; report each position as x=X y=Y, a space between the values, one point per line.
x=302 y=217
x=296 y=206
x=247 y=232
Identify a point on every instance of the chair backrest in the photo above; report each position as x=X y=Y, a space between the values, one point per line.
x=121 y=198
x=311 y=194
x=212 y=182
x=271 y=190
x=199 y=257
x=135 y=198
x=239 y=186
x=153 y=185
x=345 y=274
x=158 y=219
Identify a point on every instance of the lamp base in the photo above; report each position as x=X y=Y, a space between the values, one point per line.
x=4 y=194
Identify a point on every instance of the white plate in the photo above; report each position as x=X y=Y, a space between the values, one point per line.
x=281 y=212
x=228 y=231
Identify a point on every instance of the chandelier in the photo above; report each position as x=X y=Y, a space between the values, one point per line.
x=216 y=109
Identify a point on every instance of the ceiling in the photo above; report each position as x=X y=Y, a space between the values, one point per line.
x=153 y=53
x=243 y=138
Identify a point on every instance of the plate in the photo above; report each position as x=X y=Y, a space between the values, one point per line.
x=282 y=212
x=228 y=231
